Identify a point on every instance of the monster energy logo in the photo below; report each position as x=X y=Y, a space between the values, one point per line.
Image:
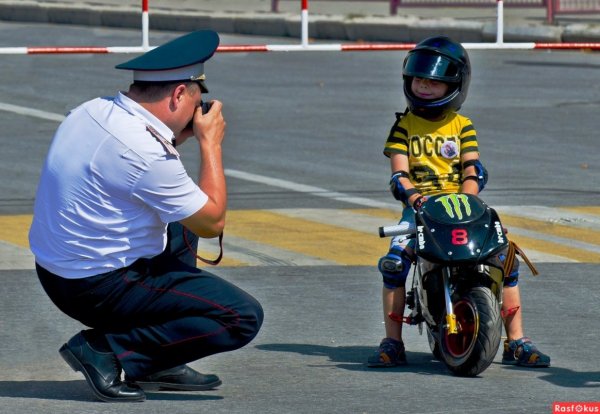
x=454 y=203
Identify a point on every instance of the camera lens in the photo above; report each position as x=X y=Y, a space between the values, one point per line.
x=205 y=107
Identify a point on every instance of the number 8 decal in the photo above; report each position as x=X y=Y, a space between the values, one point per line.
x=460 y=236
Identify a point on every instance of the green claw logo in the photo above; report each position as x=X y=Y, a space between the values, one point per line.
x=452 y=204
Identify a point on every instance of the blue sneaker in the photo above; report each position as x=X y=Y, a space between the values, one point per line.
x=524 y=353
x=389 y=354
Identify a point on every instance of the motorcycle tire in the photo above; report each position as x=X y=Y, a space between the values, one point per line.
x=473 y=349
x=434 y=346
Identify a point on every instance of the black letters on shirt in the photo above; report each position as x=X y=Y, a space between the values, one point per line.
x=428 y=146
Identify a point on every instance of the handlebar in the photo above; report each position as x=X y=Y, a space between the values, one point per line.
x=404 y=229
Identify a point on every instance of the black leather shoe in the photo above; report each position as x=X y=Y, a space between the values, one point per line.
x=181 y=378
x=101 y=370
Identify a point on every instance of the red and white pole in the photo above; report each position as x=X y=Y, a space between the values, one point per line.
x=145 y=25
x=304 y=23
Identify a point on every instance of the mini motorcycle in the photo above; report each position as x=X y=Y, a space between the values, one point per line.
x=458 y=279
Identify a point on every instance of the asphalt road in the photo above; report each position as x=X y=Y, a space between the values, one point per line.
x=303 y=154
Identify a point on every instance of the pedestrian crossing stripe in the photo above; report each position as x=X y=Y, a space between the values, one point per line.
x=15 y=230
x=587 y=209
x=574 y=243
x=349 y=237
x=331 y=242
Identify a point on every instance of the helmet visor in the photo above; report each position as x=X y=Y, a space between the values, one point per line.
x=431 y=66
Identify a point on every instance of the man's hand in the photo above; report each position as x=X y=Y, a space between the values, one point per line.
x=189 y=130
x=209 y=128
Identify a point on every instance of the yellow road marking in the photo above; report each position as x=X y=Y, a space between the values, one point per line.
x=391 y=215
x=545 y=227
x=15 y=229
x=548 y=227
x=587 y=209
x=336 y=244
x=341 y=245
x=554 y=248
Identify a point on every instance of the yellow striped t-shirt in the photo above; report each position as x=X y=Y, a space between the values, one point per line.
x=434 y=149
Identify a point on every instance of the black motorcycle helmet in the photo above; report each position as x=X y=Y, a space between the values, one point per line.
x=437 y=58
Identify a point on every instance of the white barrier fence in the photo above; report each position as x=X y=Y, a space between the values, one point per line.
x=304 y=44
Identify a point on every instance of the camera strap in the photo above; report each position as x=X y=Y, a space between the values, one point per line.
x=213 y=262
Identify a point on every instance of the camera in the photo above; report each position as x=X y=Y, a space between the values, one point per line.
x=205 y=107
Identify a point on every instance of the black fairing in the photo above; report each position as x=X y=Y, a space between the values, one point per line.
x=458 y=229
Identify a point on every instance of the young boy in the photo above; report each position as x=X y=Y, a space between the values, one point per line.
x=432 y=150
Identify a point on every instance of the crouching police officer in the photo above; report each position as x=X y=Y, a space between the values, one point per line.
x=116 y=226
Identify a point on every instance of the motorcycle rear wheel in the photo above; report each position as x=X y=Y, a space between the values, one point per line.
x=473 y=349
x=434 y=345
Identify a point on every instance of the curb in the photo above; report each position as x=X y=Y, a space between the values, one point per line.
x=408 y=29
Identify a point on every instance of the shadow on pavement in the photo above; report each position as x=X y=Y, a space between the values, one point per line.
x=47 y=390
x=353 y=358
x=79 y=391
x=563 y=377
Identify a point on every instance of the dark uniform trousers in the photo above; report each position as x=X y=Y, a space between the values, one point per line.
x=160 y=312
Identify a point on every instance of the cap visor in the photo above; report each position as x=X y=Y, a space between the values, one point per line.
x=203 y=87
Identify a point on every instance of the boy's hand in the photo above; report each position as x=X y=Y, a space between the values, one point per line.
x=418 y=203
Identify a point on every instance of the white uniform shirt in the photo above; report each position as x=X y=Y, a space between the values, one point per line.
x=107 y=191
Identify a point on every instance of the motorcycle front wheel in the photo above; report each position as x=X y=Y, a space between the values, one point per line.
x=474 y=347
